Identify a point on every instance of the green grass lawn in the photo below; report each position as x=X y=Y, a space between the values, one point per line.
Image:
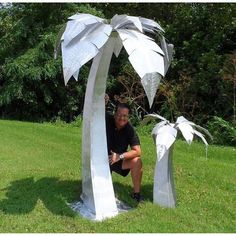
x=40 y=172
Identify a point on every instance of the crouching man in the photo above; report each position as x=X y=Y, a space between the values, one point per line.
x=121 y=135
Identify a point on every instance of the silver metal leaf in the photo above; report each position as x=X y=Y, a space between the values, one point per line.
x=74 y=57
x=155 y=116
x=86 y=18
x=133 y=40
x=79 y=23
x=76 y=74
x=150 y=24
x=73 y=29
x=85 y=34
x=118 y=46
x=201 y=136
x=150 y=84
x=124 y=21
x=58 y=41
x=147 y=59
x=165 y=137
x=168 y=50
x=83 y=47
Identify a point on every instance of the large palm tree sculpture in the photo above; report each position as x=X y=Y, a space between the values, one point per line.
x=164 y=135
x=86 y=37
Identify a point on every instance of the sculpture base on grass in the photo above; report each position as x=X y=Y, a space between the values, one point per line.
x=80 y=208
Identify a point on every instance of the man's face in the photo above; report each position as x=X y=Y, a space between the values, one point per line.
x=121 y=117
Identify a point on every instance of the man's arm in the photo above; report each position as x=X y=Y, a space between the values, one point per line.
x=134 y=152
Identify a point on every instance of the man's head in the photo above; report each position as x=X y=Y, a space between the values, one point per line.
x=121 y=115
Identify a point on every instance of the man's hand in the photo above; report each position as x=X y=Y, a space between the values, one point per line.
x=113 y=158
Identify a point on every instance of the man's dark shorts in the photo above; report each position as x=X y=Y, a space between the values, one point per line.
x=117 y=167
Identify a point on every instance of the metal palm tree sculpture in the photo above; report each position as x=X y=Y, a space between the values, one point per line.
x=164 y=135
x=89 y=37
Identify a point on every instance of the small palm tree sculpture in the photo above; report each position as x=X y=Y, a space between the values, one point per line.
x=164 y=135
x=86 y=37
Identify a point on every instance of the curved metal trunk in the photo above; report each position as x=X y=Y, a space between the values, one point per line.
x=97 y=188
x=164 y=189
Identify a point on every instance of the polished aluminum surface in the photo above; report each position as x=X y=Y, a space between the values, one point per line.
x=85 y=34
x=86 y=37
x=164 y=135
x=98 y=194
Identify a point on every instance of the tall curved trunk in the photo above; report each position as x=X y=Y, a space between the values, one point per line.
x=97 y=188
x=164 y=189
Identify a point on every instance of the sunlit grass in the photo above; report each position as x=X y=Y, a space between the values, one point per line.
x=40 y=172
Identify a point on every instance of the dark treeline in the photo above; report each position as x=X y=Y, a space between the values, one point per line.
x=200 y=83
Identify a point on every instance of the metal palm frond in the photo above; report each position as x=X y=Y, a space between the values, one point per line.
x=86 y=34
x=165 y=133
x=147 y=59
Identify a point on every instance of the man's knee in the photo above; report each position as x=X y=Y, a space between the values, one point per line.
x=134 y=163
x=137 y=163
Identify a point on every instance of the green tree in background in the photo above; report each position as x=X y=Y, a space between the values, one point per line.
x=31 y=83
x=203 y=35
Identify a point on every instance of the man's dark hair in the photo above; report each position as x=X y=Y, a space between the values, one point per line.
x=122 y=105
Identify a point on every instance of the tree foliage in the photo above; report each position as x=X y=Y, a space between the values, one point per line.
x=196 y=86
x=31 y=82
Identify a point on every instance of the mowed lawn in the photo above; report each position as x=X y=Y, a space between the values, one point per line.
x=40 y=172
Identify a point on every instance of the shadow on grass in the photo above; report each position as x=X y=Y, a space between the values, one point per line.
x=22 y=195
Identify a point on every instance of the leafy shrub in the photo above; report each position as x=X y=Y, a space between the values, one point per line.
x=77 y=122
x=146 y=129
x=223 y=131
x=59 y=122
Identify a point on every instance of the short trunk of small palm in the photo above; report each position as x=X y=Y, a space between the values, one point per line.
x=164 y=189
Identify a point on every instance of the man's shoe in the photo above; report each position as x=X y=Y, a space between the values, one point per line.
x=137 y=197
